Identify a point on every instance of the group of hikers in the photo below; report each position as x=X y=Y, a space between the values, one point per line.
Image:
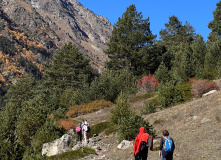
x=144 y=141
x=85 y=129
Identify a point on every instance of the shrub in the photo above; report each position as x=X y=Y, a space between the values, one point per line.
x=120 y=110
x=147 y=84
x=109 y=85
x=128 y=122
x=186 y=89
x=199 y=87
x=100 y=127
x=143 y=96
x=67 y=124
x=149 y=108
x=155 y=101
x=169 y=95
x=74 y=155
x=129 y=127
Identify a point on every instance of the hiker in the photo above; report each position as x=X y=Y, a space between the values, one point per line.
x=167 y=146
x=78 y=132
x=86 y=131
x=141 y=144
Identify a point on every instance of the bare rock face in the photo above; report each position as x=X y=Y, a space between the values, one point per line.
x=55 y=22
x=57 y=146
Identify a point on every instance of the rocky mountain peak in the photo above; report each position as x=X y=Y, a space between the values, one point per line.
x=55 y=22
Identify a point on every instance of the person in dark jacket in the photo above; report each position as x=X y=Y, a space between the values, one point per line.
x=78 y=132
x=141 y=144
x=165 y=155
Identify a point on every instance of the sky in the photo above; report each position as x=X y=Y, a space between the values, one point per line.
x=197 y=12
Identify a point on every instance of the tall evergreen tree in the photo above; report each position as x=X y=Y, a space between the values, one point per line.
x=68 y=69
x=215 y=24
x=16 y=96
x=175 y=32
x=130 y=41
x=178 y=57
x=199 y=50
x=213 y=55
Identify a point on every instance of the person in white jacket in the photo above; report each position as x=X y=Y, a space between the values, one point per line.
x=86 y=130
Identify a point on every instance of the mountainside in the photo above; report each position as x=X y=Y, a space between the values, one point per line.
x=32 y=31
x=194 y=126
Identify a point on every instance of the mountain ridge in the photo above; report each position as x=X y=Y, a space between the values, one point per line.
x=51 y=24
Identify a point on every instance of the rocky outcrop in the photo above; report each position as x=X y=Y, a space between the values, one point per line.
x=58 y=146
x=209 y=93
x=125 y=144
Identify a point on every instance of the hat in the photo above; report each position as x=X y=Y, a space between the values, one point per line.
x=79 y=124
x=85 y=122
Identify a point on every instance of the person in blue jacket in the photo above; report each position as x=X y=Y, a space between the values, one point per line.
x=167 y=146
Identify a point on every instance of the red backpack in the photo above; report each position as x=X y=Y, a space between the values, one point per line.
x=78 y=129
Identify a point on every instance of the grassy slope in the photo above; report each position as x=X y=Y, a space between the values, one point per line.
x=195 y=127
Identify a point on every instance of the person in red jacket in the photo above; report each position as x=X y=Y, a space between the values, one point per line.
x=141 y=144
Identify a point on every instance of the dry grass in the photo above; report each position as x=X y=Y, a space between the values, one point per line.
x=194 y=126
x=88 y=108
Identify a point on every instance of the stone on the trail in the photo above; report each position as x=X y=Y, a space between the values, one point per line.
x=125 y=144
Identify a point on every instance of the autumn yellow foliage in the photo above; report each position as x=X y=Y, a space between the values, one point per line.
x=2 y=79
x=76 y=110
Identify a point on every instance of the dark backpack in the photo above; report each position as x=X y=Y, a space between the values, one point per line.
x=86 y=128
x=168 y=144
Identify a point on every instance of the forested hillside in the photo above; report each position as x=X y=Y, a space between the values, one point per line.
x=42 y=77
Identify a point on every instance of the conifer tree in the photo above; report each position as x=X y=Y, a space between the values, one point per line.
x=213 y=55
x=178 y=58
x=215 y=24
x=68 y=69
x=175 y=32
x=162 y=73
x=131 y=40
x=199 y=50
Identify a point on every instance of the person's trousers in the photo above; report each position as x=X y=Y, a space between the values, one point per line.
x=167 y=158
x=85 y=137
x=79 y=136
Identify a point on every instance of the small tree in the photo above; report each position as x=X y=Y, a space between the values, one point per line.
x=128 y=122
x=170 y=95
x=162 y=73
x=121 y=109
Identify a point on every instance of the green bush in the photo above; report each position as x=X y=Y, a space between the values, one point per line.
x=186 y=89
x=155 y=101
x=112 y=129
x=169 y=95
x=129 y=127
x=149 y=108
x=128 y=122
x=73 y=155
x=143 y=96
x=100 y=127
x=121 y=109
x=109 y=85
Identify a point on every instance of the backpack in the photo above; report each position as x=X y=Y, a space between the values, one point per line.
x=146 y=144
x=168 y=144
x=86 y=128
x=78 y=129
